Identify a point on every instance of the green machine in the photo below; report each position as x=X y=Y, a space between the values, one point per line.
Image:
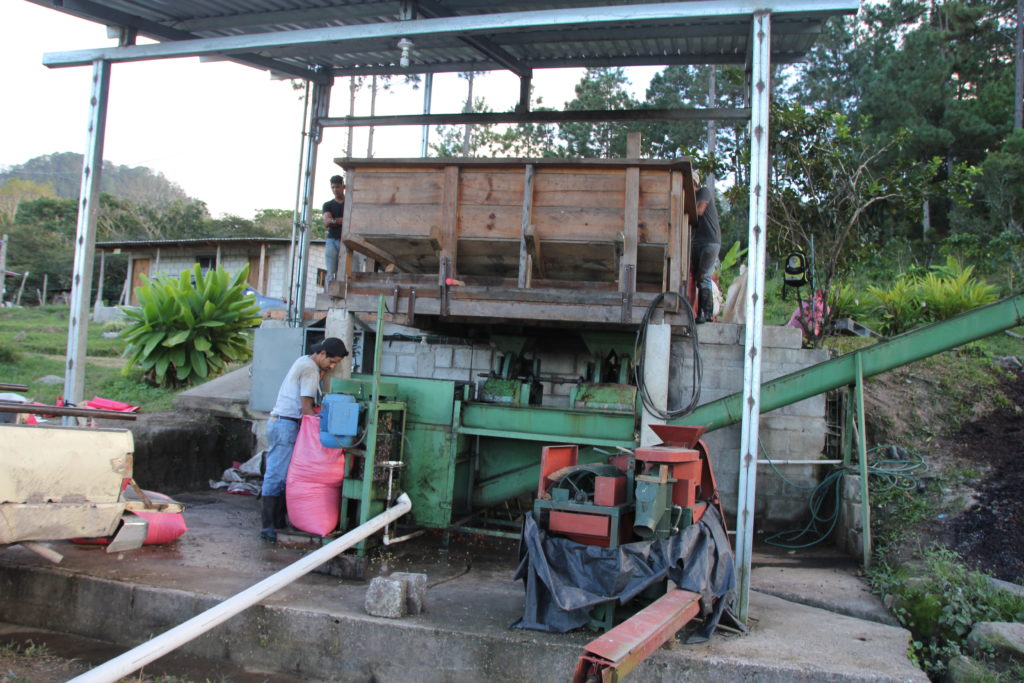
x=456 y=455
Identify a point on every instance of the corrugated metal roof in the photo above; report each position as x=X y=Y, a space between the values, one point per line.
x=359 y=36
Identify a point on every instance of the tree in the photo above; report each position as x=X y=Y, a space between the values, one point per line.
x=15 y=191
x=828 y=183
x=600 y=88
x=64 y=172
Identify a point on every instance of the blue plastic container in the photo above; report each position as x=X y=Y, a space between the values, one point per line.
x=339 y=421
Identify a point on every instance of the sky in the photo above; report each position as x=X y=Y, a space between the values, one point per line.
x=227 y=134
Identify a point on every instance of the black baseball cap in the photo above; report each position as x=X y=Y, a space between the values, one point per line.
x=334 y=347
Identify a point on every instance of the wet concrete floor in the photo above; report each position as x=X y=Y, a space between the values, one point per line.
x=317 y=628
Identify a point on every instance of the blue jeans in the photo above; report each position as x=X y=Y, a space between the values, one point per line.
x=331 y=251
x=281 y=435
x=705 y=257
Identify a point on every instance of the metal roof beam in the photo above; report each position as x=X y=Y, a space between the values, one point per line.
x=719 y=114
x=458 y=26
x=484 y=45
x=557 y=63
x=93 y=11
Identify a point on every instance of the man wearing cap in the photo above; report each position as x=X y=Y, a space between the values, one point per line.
x=295 y=398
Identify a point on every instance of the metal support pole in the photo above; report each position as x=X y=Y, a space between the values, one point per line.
x=862 y=466
x=372 y=418
x=318 y=110
x=85 y=236
x=428 y=88
x=759 y=100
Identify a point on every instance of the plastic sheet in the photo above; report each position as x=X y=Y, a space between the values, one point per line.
x=564 y=580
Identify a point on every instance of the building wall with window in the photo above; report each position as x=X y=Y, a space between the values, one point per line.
x=153 y=259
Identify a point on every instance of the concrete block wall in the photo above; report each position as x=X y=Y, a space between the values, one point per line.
x=850 y=529
x=467 y=362
x=795 y=432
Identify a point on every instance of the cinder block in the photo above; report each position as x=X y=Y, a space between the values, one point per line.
x=462 y=358
x=720 y=333
x=781 y=336
x=406 y=365
x=425 y=362
x=387 y=598
x=443 y=356
x=481 y=359
x=456 y=374
x=851 y=487
x=415 y=590
x=559 y=364
x=388 y=364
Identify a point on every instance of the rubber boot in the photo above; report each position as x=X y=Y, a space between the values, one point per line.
x=269 y=506
x=705 y=306
x=280 y=510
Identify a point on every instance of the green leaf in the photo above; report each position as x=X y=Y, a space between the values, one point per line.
x=177 y=338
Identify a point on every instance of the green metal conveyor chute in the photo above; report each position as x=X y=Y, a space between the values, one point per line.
x=842 y=371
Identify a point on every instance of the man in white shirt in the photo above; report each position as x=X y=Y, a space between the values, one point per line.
x=295 y=398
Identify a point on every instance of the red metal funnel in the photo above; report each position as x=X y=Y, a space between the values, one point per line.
x=685 y=436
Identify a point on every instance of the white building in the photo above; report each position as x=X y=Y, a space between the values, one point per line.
x=268 y=259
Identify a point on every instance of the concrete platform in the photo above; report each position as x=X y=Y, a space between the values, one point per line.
x=316 y=629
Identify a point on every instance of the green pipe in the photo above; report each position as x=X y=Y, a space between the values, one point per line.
x=906 y=348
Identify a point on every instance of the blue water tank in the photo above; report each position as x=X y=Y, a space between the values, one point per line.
x=339 y=421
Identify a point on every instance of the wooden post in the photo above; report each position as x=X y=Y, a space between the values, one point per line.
x=630 y=228
x=99 y=282
x=126 y=295
x=3 y=268
x=260 y=276
x=156 y=266
x=675 y=253
x=21 y=289
x=216 y=264
x=42 y=294
x=449 y=225
x=525 y=262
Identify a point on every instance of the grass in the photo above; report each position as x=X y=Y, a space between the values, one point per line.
x=939 y=600
x=33 y=345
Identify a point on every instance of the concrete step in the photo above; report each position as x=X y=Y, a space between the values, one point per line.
x=316 y=629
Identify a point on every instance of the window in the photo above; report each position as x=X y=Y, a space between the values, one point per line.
x=321 y=278
x=206 y=263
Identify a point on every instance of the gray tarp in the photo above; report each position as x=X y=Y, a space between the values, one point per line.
x=565 y=579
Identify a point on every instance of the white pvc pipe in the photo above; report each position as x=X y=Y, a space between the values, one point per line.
x=142 y=655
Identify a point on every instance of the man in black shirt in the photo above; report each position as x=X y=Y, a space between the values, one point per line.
x=707 y=240
x=334 y=212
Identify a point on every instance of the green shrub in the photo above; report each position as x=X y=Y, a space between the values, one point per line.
x=182 y=332
x=918 y=297
x=940 y=602
x=8 y=354
x=899 y=307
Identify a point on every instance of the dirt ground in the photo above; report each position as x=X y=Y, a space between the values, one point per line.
x=979 y=466
x=988 y=534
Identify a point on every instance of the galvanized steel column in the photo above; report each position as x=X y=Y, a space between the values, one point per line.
x=85 y=236
x=759 y=99
x=318 y=110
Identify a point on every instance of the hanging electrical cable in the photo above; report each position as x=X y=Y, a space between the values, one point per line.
x=638 y=370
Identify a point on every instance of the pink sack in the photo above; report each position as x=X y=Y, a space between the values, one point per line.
x=313 y=487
